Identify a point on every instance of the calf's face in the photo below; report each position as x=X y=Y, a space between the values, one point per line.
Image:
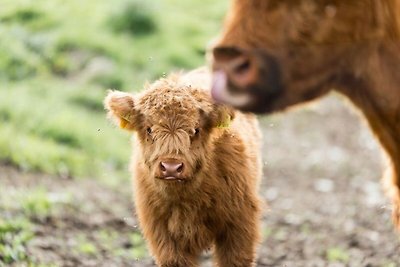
x=174 y=126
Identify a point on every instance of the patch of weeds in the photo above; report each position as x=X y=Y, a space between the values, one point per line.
x=14 y=235
x=180 y=61
x=5 y=115
x=31 y=153
x=60 y=65
x=305 y=229
x=23 y=15
x=139 y=249
x=134 y=248
x=61 y=136
x=33 y=264
x=17 y=60
x=57 y=137
x=108 y=81
x=85 y=246
x=390 y=264
x=267 y=232
x=40 y=204
x=281 y=234
x=69 y=61
x=337 y=255
x=88 y=102
x=134 y=17
x=28 y=16
x=16 y=68
x=107 y=238
x=69 y=56
x=37 y=204
x=64 y=45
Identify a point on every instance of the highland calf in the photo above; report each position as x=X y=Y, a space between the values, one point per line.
x=196 y=168
x=273 y=54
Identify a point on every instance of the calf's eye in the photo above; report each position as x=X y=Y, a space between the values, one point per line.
x=196 y=131
x=148 y=130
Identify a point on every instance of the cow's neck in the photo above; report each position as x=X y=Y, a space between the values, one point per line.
x=375 y=92
x=386 y=128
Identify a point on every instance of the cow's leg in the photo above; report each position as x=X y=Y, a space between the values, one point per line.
x=392 y=186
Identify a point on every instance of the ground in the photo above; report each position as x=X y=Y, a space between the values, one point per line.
x=324 y=205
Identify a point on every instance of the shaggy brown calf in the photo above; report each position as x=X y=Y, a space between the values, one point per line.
x=196 y=167
x=273 y=54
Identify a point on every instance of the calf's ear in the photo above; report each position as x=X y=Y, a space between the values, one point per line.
x=222 y=116
x=121 y=109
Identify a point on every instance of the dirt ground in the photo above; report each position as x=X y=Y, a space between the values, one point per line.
x=324 y=202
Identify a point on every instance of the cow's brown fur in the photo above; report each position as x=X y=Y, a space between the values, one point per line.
x=216 y=204
x=351 y=46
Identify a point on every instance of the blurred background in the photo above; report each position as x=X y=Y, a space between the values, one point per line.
x=65 y=193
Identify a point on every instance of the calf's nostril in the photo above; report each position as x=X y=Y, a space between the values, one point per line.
x=162 y=167
x=180 y=168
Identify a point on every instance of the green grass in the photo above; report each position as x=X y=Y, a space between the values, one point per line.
x=58 y=58
x=336 y=254
x=139 y=249
x=16 y=229
x=14 y=234
x=136 y=248
x=85 y=246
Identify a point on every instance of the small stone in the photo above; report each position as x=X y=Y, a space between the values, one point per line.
x=324 y=185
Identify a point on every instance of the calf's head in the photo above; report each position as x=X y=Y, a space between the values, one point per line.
x=174 y=124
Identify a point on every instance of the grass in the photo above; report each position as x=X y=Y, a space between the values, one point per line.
x=56 y=63
x=390 y=264
x=336 y=254
x=25 y=210
x=20 y=209
x=85 y=246
x=14 y=234
x=139 y=249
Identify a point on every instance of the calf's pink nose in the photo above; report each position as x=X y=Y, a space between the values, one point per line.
x=173 y=169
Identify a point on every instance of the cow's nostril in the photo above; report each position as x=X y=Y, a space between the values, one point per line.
x=226 y=54
x=242 y=66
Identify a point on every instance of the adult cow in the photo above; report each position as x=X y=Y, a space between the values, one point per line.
x=273 y=54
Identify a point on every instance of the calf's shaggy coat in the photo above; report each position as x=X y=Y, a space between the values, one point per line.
x=273 y=54
x=196 y=167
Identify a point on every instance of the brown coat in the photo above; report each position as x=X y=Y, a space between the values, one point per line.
x=196 y=167
x=279 y=53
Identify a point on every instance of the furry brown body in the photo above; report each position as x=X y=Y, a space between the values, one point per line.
x=212 y=200
x=273 y=54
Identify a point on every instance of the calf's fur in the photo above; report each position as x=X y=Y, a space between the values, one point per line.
x=215 y=204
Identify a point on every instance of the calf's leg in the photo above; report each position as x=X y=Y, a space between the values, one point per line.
x=236 y=247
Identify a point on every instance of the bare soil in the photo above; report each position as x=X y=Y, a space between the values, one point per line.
x=324 y=202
